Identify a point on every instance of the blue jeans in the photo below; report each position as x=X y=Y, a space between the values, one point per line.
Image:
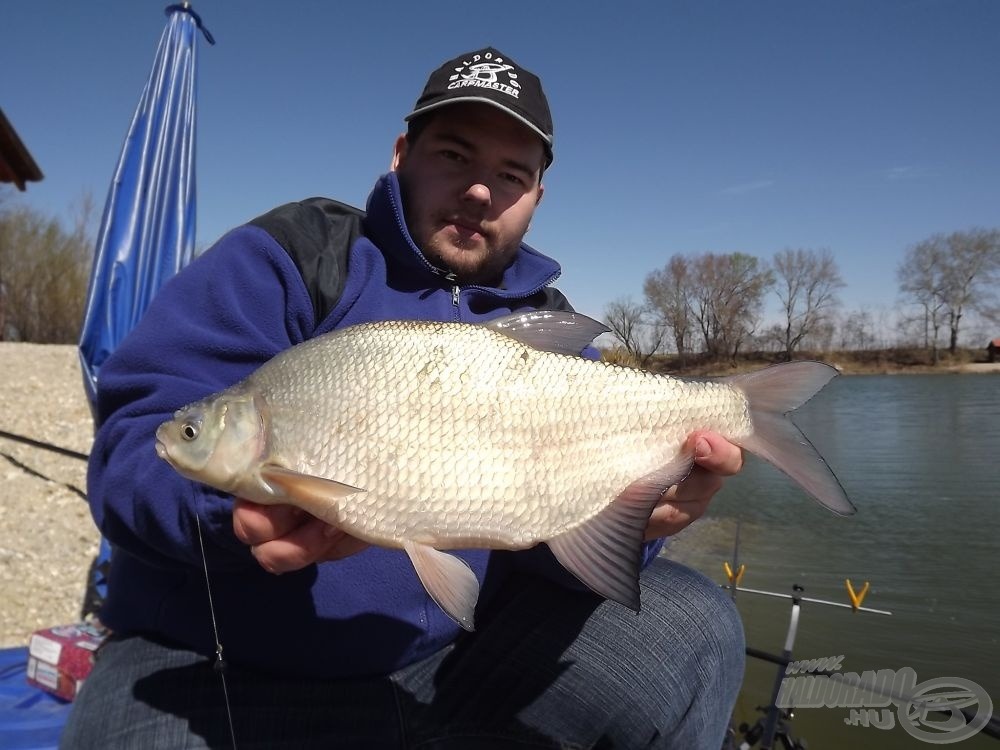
x=547 y=668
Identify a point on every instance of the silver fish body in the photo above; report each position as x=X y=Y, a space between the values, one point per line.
x=431 y=436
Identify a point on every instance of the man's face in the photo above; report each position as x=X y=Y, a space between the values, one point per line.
x=470 y=184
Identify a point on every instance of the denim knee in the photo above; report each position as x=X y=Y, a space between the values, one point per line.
x=696 y=651
x=700 y=608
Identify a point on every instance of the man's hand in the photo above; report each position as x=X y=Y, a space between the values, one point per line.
x=715 y=458
x=284 y=538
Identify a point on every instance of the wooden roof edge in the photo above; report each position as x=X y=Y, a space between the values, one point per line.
x=16 y=163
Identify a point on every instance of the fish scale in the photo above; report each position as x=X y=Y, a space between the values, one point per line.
x=432 y=436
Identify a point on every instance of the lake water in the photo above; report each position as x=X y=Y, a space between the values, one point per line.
x=919 y=457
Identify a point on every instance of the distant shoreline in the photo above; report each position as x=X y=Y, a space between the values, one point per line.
x=874 y=362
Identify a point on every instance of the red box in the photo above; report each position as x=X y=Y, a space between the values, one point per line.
x=60 y=658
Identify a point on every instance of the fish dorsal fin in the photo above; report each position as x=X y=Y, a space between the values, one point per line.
x=449 y=581
x=605 y=553
x=315 y=495
x=550 y=330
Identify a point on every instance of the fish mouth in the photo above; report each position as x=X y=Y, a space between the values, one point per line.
x=161 y=446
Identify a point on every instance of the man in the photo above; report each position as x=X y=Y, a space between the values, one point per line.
x=344 y=648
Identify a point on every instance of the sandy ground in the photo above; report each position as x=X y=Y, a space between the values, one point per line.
x=47 y=538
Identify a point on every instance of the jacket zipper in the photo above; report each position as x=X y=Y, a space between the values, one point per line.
x=456 y=290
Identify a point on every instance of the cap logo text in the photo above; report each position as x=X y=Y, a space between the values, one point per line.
x=483 y=71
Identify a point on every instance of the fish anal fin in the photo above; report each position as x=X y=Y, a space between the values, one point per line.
x=605 y=553
x=315 y=495
x=449 y=581
x=556 y=331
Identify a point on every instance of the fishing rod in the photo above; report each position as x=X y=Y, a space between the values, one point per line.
x=44 y=446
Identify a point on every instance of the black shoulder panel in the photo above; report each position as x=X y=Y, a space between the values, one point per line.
x=317 y=234
x=550 y=298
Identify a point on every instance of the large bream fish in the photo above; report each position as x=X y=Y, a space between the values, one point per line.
x=431 y=436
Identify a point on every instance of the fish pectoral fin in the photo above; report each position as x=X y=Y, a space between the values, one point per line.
x=550 y=330
x=315 y=495
x=449 y=581
x=605 y=553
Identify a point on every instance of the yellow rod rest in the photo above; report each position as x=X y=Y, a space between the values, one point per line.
x=734 y=578
x=856 y=597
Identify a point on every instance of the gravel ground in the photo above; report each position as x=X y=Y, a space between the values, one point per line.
x=47 y=538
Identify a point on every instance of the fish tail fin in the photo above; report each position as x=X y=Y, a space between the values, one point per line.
x=772 y=393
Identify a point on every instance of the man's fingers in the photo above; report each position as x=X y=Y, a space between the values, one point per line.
x=341 y=544
x=699 y=486
x=673 y=517
x=255 y=524
x=715 y=458
x=715 y=454
x=313 y=541
x=302 y=546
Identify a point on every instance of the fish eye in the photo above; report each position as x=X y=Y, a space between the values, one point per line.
x=190 y=430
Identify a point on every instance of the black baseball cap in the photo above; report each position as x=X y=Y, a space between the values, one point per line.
x=490 y=77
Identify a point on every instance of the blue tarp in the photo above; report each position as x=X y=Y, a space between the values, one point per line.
x=147 y=231
x=148 y=228
x=30 y=719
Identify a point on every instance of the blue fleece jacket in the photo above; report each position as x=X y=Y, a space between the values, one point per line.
x=228 y=312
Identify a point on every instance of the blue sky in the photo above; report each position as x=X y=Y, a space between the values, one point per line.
x=856 y=126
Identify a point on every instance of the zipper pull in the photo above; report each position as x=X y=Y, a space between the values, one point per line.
x=454 y=295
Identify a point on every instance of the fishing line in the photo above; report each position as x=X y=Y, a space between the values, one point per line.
x=220 y=664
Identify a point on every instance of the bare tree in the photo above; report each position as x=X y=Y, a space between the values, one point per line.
x=727 y=293
x=857 y=331
x=946 y=276
x=820 y=338
x=806 y=283
x=921 y=276
x=971 y=275
x=666 y=291
x=631 y=323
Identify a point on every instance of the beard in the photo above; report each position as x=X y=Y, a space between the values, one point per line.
x=458 y=238
x=472 y=258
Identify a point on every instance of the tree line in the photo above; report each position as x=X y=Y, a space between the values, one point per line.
x=947 y=276
x=712 y=304
x=44 y=273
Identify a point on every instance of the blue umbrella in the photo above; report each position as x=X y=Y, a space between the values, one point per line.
x=147 y=230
